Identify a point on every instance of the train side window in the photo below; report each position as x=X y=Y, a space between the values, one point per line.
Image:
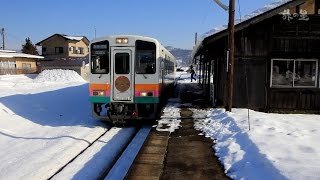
x=145 y=57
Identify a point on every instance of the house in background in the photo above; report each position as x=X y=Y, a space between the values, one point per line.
x=12 y=62
x=277 y=59
x=60 y=45
x=65 y=52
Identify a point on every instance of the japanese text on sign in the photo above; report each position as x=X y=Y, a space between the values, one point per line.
x=302 y=15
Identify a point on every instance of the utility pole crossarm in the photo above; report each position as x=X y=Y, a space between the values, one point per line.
x=223 y=6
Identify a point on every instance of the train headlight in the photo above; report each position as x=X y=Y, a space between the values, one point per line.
x=122 y=40
x=146 y=94
x=143 y=94
x=98 y=93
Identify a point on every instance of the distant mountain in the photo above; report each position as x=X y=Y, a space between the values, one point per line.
x=183 y=55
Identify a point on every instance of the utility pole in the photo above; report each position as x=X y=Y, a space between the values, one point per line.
x=231 y=55
x=195 y=38
x=2 y=35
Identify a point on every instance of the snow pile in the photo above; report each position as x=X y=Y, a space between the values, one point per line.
x=169 y=120
x=169 y=125
x=59 y=75
x=277 y=146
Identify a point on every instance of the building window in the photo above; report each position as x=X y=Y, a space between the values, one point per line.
x=58 y=50
x=294 y=73
x=26 y=66
x=81 y=50
x=317 y=6
x=6 y=64
x=73 y=49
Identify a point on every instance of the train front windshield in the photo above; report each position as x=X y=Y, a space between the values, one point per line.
x=145 y=62
x=100 y=58
x=145 y=57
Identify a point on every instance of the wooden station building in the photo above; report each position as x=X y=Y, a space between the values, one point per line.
x=277 y=52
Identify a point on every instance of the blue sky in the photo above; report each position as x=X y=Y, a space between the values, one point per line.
x=173 y=22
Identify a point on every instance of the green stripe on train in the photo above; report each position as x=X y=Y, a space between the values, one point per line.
x=143 y=100
x=99 y=99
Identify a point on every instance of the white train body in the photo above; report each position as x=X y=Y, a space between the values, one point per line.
x=130 y=76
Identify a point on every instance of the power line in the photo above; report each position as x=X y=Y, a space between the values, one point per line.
x=239 y=9
x=204 y=18
x=13 y=36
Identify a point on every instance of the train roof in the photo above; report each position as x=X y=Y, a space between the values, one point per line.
x=138 y=37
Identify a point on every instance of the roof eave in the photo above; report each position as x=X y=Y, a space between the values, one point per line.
x=252 y=21
x=39 y=43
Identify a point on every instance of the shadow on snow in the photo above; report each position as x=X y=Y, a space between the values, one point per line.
x=255 y=163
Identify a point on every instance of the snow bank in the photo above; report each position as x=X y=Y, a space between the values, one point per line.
x=277 y=146
x=59 y=75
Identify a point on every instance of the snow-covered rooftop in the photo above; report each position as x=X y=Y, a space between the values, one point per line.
x=77 y=38
x=268 y=7
x=13 y=54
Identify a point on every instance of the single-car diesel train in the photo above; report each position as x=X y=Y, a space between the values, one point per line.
x=130 y=77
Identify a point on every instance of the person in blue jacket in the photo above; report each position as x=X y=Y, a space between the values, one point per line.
x=193 y=73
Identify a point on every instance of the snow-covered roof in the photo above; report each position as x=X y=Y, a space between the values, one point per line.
x=14 y=54
x=268 y=7
x=77 y=38
x=72 y=38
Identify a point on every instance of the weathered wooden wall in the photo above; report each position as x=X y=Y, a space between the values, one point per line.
x=255 y=47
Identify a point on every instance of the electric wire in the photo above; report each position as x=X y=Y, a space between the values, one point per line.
x=204 y=18
x=239 y=9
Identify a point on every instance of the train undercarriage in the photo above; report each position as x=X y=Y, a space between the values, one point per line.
x=123 y=112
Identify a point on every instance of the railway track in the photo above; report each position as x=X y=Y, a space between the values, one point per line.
x=104 y=156
x=148 y=153
x=89 y=145
x=180 y=153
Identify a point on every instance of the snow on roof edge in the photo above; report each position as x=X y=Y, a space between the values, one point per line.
x=77 y=38
x=13 y=54
x=267 y=7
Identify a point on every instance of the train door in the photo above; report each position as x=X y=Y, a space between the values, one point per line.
x=122 y=80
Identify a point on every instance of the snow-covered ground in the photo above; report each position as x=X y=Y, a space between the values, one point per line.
x=45 y=120
x=277 y=146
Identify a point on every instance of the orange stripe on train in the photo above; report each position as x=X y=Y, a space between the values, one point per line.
x=138 y=87
x=141 y=87
x=102 y=87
